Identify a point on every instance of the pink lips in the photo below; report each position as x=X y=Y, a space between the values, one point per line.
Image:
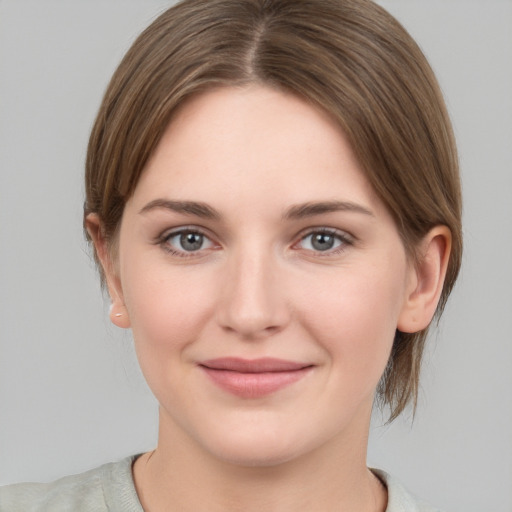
x=253 y=378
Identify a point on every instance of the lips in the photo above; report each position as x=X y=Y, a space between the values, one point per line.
x=253 y=378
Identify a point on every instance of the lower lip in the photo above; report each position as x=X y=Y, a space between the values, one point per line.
x=254 y=385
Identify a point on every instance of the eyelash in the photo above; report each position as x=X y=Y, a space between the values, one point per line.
x=343 y=238
x=164 y=239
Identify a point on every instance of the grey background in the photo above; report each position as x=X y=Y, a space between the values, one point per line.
x=71 y=395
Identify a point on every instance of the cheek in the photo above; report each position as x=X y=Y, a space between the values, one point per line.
x=167 y=307
x=355 y=319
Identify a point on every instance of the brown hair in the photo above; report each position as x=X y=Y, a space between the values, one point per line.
x=351 y=58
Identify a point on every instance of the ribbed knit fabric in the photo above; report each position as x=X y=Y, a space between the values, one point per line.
x=110 y=488
x=107 y=488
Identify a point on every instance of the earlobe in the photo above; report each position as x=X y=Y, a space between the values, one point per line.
x=118 y=314
x=117 y=311
x=427 y=279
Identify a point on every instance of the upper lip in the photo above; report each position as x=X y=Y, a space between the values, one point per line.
x=264 y=364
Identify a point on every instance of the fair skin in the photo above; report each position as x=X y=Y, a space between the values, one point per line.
x=253 y=233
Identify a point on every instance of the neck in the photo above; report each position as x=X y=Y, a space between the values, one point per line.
x=179 y=475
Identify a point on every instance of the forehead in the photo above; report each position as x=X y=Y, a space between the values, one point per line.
x=249 y=145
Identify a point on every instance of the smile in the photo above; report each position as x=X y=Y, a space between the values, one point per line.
x=253 y=378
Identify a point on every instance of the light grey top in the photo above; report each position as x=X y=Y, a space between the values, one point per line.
x=110 y=488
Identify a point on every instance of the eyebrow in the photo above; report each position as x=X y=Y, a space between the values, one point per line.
x=302 y=211
x=188 y=207
x=295 y=212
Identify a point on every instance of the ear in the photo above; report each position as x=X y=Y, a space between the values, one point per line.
x=118 y=312
x=426 y=280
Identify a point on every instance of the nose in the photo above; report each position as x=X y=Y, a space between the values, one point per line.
x=253 y=303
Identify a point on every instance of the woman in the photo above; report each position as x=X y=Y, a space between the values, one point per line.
x=273 y=197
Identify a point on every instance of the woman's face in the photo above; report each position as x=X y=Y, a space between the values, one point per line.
x=262 y=277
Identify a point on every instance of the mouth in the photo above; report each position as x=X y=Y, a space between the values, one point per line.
x=253 y=378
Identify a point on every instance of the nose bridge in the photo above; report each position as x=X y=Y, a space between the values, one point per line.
x=253 y=302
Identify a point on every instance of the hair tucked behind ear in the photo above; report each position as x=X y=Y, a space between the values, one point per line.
x=351 y=58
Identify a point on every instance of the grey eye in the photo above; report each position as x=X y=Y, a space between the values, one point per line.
x=188 y=241
x=321 y=241
x=191 y=241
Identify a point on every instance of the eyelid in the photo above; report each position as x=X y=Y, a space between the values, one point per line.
x=167 y=234
x=346 y=239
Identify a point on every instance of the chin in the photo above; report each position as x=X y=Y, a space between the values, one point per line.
x=254 y=454
x=251 y=445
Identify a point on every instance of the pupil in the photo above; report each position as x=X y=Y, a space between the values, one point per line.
x=191 y=241
x=323 y=242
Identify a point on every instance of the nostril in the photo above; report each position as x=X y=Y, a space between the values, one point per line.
x=251 y=303
x=251 y=332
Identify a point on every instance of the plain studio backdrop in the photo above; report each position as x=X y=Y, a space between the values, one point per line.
x=71 y=394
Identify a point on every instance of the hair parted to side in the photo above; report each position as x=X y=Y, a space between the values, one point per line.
x=351 y=58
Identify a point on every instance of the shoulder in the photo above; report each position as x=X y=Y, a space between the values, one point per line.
x=399 y=499
x=108 y=487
